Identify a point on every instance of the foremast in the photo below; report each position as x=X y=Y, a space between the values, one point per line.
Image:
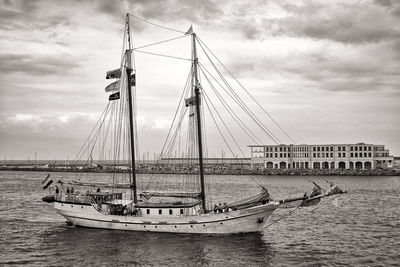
x=196 y=86
x=128 y=66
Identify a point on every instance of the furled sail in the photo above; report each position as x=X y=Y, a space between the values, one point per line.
x=262 y=198
x=98 y=184
x=133 y=79
x=191 y=101
x=148 y=194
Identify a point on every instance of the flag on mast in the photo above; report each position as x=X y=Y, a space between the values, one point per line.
x=47 y=181
x=190 y=31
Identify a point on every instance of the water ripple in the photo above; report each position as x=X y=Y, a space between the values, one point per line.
x=360 y=228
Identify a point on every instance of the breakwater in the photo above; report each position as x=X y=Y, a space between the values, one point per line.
x=210 y=170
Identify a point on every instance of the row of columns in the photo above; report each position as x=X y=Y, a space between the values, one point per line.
x=360 y=165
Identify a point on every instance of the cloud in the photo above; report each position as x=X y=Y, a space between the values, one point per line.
x=194 y=11
x=320 y=65
x=66 y=126
x=305 y=61
x=346 y=22
x=49 y=135
x=15 y=18
x=36 y=65
x=392 y=5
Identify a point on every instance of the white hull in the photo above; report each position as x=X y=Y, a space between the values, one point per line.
x=239 y=221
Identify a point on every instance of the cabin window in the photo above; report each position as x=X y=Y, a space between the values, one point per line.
x=170 y=212
x=160 y=211
x=181 y=211
x=148 y=211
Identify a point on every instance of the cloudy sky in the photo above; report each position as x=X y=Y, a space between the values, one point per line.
x=327 y=71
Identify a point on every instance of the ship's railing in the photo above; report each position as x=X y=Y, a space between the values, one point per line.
x=73 y=198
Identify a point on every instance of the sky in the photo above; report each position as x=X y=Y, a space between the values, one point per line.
x=327 y=71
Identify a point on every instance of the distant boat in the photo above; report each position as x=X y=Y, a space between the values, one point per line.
x=116 y=205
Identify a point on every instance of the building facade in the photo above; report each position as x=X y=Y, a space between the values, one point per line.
x=396 y=163
x=330 y=156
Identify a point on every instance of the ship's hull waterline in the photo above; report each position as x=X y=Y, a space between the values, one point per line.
x=240 y=221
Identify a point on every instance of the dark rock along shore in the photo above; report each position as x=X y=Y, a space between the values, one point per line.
x=216 y=170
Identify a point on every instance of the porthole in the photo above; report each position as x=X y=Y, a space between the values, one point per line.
x=191 y=226
x=156 y=226
x=204 y=225
x=81 y=207
x=72 y=206
x=62 y=204
x=175 y=226
x=144 y=226
x=220 y=223
x=126 y=225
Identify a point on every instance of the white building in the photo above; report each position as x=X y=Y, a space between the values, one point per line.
x=331 y=156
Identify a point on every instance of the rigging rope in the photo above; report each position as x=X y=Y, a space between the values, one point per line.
x=219 y=130
x=239 y=101
x=154 y=24
x=160 y=42
x=283 y=216
x=230 y=111
x=176 y=112
x=255 y=100
x=162 y=55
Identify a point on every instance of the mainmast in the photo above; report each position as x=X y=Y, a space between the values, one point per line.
x=199 y=135
x=128 y=66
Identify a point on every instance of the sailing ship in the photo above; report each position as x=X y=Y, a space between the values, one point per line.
x=119 y=205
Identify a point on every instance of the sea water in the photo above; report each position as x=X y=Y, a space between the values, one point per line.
x=360 y=228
